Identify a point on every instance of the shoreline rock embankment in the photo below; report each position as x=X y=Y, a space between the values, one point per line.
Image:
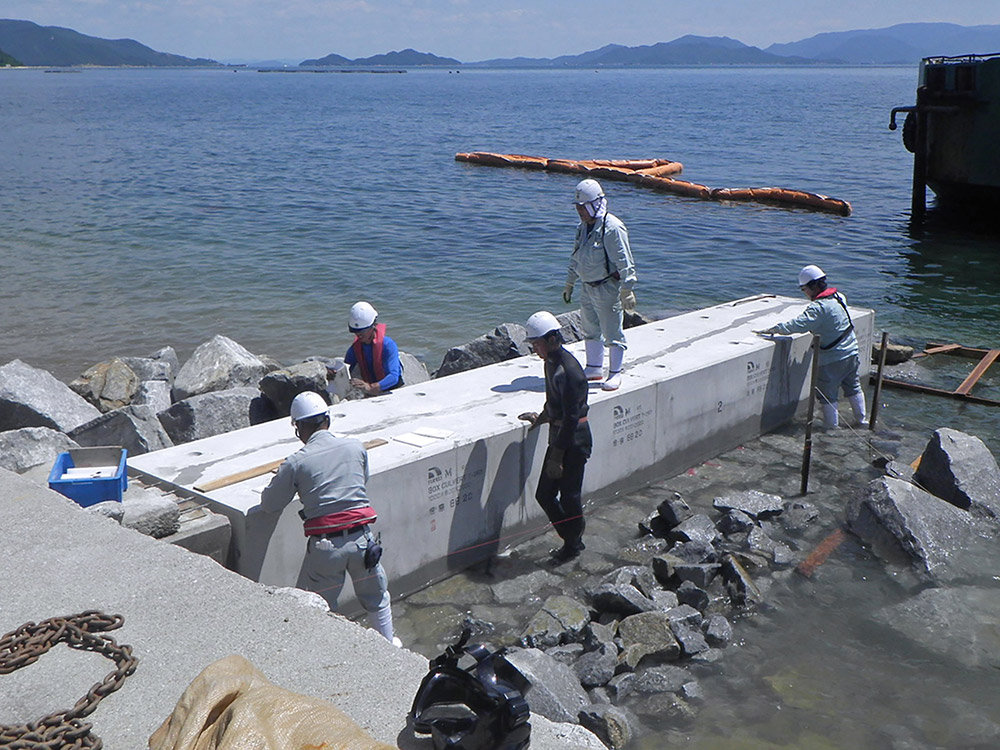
x=631 y=638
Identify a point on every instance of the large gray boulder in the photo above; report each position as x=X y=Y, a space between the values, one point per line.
x=150 y=512
x=153 y=393
x=216 y=365
x=959 y=468
x=414 y=371
x=958 y=623
x=902 y=523
x=30 y=397
x=280 y=387
x=135 y=428
x=555 y=692
x=208 y=414
x=28 y=447
x=506 y=342
x=160 y=365
x=107 y=385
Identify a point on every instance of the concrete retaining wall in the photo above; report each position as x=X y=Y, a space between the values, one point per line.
x=456 y=479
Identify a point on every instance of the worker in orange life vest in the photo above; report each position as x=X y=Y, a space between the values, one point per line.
x=373 y=353
x=827 y=317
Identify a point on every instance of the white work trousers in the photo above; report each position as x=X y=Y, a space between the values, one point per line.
x=328 y=560
x=601 y=313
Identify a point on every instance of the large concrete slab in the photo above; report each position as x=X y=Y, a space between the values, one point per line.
x=183 y=611
x=455 y=479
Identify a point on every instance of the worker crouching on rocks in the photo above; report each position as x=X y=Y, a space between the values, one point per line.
x=373 y=352
x=827 y=316
x=329 y=474
x=602 y=260
x=560 y=486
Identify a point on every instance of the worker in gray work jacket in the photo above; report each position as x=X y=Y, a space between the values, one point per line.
x=329 y=474
x=602 y=260
x=827 y=316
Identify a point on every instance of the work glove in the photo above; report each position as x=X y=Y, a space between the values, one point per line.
x=554 y=464
x=533 y=417
x=627 y=297
x=568 y=293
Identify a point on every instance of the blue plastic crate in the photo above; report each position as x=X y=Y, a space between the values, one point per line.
x=89 y=490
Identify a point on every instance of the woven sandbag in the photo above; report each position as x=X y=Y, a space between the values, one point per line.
x=232 y=706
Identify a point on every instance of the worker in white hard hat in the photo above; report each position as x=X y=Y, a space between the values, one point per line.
x=602 y=260
x=373 y=357
x=828 y=317
x=329 y=474
x=560 y=485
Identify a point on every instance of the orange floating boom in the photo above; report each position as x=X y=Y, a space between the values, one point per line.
x=652 y=173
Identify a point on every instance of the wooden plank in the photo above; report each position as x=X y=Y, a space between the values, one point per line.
x=256 y=471
x=954 y=349
x=978 y=371
x=938 y=349
x=240 y=476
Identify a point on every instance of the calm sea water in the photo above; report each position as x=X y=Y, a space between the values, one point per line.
x=143 y=208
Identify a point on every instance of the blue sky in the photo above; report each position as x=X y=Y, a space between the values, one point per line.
x=469 y=30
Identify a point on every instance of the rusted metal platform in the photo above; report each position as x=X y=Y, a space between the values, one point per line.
x=963 y=392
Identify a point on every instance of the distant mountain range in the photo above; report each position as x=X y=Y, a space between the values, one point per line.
x=903 y=43
x=407 y=58
x=27 y=43
x=52 y=45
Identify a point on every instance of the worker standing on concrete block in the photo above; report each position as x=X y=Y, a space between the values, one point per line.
x=827 y=316
x=375 y=354
x=560 y=485
x=329 y=474
x=602 y=260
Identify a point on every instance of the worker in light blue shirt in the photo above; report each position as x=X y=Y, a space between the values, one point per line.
x=827 y=317
x=373 y=352
x=602 y=260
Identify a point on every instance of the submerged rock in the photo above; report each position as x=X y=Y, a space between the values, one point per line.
x=753 y=503
x=959 y=623
x=902 y=523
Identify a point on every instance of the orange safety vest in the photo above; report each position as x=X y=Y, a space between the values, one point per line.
x=366 y=374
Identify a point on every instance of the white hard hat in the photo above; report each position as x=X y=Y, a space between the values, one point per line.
x=308 y=404
x=541 y=323
x=362 y=316
x=587 y=190
x=810 y=273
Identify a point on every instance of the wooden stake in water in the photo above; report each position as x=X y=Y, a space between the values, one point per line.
x=807 y=449
x=878 y=381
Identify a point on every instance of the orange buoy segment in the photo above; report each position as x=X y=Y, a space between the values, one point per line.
x=653 y=173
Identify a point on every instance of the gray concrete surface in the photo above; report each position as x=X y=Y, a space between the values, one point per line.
x=183 y=611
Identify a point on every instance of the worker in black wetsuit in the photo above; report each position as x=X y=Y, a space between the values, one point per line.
x=559 y=490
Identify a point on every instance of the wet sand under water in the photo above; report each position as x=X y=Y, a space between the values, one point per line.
x=807 y=669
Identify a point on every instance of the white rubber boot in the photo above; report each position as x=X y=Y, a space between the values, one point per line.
x=857 y=402
x=615 y=356
x=595 y=360
x=381 y=620
x=831 y=419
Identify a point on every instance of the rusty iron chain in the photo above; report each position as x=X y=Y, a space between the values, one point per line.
x=64 y=730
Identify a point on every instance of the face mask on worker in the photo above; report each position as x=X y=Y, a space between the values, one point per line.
x=596 y=208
